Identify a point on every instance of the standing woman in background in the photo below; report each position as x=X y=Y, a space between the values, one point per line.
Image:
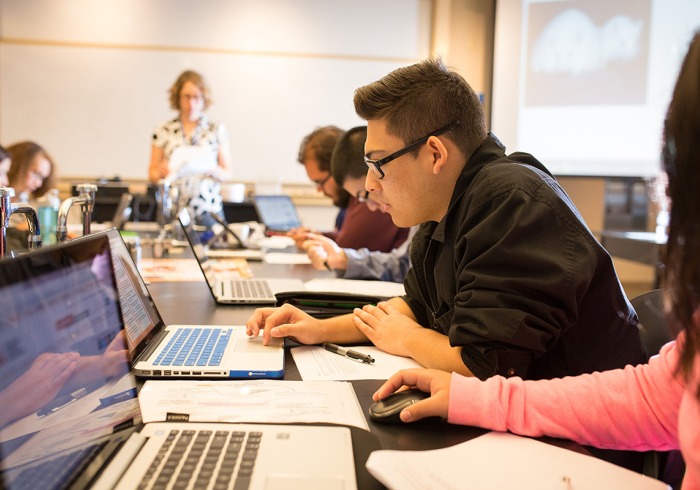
x=31 y=172
x=190 y=96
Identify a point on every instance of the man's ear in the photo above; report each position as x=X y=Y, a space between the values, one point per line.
x=438 y=153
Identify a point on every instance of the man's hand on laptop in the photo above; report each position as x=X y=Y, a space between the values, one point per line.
x=285 y=321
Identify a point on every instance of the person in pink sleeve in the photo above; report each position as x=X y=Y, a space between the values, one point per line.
x=654 y=406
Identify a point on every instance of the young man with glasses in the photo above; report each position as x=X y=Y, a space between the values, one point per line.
x=505 y=276
x=357 y=226
x=349 y=171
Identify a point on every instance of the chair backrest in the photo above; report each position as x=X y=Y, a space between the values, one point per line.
x=652 y=321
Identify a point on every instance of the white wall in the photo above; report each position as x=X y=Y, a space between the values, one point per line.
x=88 y=79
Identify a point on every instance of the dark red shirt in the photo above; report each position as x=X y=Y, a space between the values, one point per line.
x=363 y=228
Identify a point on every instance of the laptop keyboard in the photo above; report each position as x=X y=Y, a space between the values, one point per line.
x=56 y=473
x=192 y=346
x=251 y=288
x=204 y=459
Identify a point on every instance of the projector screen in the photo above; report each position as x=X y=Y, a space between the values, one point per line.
x=584 y=85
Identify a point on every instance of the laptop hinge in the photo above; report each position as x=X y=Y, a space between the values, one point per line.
x=152 y=346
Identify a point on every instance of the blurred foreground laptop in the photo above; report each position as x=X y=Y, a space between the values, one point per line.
x=277 y=212
x=81 y=427
x=234 y=291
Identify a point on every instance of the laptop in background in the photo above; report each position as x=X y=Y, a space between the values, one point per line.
x=61 y=312
x=277 y=212
x=234 y=291
x=227 y=244
x=123 y=211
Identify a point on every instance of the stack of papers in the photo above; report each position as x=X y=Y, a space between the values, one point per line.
x=261 y=401
x=503 y=461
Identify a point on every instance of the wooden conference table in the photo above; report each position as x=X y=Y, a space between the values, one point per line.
x=192 y=303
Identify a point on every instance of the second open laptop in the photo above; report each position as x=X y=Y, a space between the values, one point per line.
x=62 y=316
x=234 y=291
x=176 y=351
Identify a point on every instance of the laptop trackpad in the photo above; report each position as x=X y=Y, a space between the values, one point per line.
x=304 y=482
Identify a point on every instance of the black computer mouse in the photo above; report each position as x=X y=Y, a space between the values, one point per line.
x=388 y=409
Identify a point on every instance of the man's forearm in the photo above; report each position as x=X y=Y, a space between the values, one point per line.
x=342 y=330
x=433 y=350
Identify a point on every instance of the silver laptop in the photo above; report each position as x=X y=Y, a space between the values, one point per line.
x=61 y=317
x=277 y=212
x=160 y=351
x=234 y=291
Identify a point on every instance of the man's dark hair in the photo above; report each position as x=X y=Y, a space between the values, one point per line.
x=419 y=99
x=319 y=145
x=347 y=160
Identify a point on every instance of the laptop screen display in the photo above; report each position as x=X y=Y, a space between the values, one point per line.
x=277 y=212
x=63 y=362
x=141 y=318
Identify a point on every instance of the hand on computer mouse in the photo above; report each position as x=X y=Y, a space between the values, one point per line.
x=389 y=409
x=432 y=381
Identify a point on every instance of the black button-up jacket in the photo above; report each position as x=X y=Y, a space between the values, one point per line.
x=514 y=276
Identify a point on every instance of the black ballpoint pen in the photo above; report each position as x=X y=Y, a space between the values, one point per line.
x=344 y=351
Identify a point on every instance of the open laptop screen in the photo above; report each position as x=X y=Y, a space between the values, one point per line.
x=277 y=212
x=62 y=354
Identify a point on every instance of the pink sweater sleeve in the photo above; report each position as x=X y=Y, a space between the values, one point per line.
x=634 y=408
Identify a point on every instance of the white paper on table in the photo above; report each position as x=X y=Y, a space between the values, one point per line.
x=500 y=460
x=264 y=401
x=317 y=364
x=286 y=258
x=356 y=286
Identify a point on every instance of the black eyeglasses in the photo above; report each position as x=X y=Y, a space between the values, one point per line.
x=323 y=181
x=376 y=165
x=362 y=196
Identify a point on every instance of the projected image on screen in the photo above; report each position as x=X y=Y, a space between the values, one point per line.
x=584 y=85
x=587 y=52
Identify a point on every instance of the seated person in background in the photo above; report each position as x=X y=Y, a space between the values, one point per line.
x=315 y=155
x=32 y=171
x=349 y=170
x=5 y=163
x=31 y=175
x=654 y=406
x=190 y=96
x=357 y=226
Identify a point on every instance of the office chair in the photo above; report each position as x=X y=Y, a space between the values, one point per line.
x=652 y=322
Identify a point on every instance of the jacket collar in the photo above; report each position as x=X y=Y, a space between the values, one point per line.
x=491 y=149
